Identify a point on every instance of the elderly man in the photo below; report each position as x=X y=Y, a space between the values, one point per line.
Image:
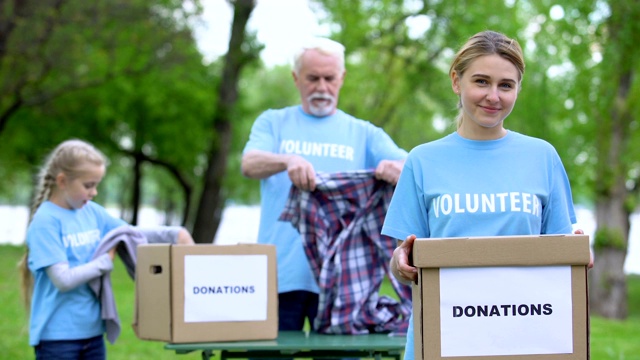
x=288 y=146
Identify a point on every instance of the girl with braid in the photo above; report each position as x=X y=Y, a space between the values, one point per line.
x=65 y=228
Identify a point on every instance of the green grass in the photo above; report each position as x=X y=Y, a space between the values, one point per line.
x=619 y=340
x=610 y=339
x=14 y=328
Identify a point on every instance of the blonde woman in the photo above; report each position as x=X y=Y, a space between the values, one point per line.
x=482 y=179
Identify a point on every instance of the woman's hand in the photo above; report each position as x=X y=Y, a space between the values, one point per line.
x=581 y=232
x=399 y=264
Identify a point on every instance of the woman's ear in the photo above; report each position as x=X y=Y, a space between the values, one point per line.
x=455 y=82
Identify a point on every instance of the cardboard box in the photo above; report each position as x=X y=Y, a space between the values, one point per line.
x=502 y=298
x=206 y=293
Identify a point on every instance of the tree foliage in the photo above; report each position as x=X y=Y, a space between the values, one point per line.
x=123 y=75
x=242 y=51
x=127 y=76
x=579 y=92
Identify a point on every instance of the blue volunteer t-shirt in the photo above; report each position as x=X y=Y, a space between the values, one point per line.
x=334 y=143
x=456 y=187
x=61 y=235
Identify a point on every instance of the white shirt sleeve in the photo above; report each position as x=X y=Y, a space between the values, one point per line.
x=65 y=278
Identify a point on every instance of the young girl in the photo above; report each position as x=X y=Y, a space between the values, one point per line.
x=65 y=229
x=480 y=157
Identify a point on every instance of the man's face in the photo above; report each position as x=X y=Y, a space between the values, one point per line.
x=319 y=81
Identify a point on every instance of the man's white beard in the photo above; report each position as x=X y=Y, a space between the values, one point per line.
x=321 y=110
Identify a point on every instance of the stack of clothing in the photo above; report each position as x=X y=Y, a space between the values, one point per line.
x=340 y=223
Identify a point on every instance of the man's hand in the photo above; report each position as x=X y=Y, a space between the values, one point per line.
x=301 y=173
x=389 y=170
x=400 y=262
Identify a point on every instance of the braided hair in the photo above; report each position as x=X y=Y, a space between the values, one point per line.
x=67 y=158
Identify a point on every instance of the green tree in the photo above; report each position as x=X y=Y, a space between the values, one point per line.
x=242 y=51
x=263 y=88
x=617 y=158
x=580 y=93
x=398 y=55
x=592 y=46
x=126 y=76
x=51 y=47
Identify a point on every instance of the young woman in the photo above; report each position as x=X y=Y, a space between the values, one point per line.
x=522 y=176
x=64 y=231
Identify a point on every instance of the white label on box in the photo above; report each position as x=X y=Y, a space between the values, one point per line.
x=496 y=311
x=225 y=288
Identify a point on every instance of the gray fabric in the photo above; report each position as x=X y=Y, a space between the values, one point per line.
x=126 y=238
x=153 y=235
x=160 y=234
x=65 y=278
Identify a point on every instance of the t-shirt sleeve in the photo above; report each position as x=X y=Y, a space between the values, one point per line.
x=407 y=213
x=45 y=245
x=107 y=221
x=262 y=133
x=559 y=214
x=382 y=147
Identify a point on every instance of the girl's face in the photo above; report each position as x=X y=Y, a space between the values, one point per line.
x=488 y=91
x=75 y=193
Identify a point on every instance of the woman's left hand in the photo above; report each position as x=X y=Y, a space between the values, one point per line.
x=581 y=232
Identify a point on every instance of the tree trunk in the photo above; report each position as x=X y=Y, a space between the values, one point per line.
x=212 y=199
x=607 y=280
x=137 y=192
x=608 y=287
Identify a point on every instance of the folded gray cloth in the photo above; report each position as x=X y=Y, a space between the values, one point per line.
x=126 y=238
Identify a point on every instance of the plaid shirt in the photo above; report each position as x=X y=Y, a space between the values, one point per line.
x=340 y=223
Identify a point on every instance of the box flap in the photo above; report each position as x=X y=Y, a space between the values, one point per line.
x=152 y=319
x=534 y=250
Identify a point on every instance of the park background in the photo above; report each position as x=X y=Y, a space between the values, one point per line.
x=169 y=91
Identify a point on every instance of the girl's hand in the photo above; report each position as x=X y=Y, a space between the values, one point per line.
x=112 y=253
x=184 y=237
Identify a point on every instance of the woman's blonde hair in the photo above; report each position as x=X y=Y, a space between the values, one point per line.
x=486 y=43
x=69 y=158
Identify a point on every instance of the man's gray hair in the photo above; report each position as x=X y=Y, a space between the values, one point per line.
x=321 y=44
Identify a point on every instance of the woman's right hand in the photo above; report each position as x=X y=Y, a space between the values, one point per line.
x=399 y=264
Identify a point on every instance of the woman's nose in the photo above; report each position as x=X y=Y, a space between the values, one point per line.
x=493 y=95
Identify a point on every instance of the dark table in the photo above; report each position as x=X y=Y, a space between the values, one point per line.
x=298 y=344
